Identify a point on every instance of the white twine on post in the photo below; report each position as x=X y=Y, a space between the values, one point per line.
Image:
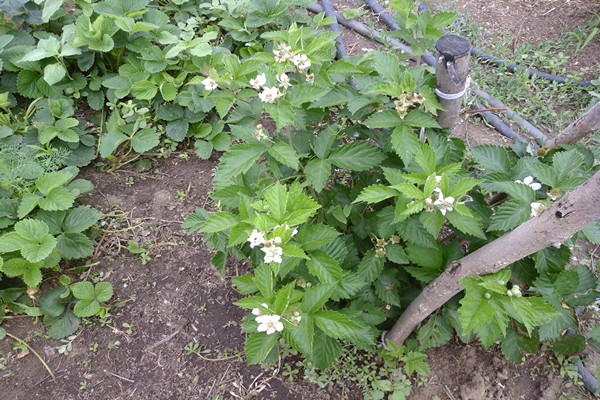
x=454 y=96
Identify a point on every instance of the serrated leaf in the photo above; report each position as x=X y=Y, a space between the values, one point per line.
x=565 y=163
x=356 y=156
x=315 y=297
x=50 y=7
x=301 y=337
x=370 y=267
x=375 y=194
x=570 y=345
x=263 y=279
x=74 y=245
x=315 y=236
x=476 y=311
x=285 y=154
x=419 y=119
x=326 y=350
x=509 y=215
x=324 y=267
x=530 y=311
x=145 y=140
x=80 y=219
x=405 y=143
x=54 y=73
x=144 y=90
x=219 y=222
x=239 y=159
x=52 y=303
x=337 y=325
x=317 y=172
x=29 y=272
x=414 y=361
x=395 y=253
x=258 y=346
x=64 y=326
x=57 y=199
x=492 y=157
x=467 y=225
x=383 y=119
x=436 y=332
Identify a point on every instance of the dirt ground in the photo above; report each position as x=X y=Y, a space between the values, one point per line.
x=176 y=297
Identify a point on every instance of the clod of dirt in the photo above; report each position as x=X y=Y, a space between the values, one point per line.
x=475 y=389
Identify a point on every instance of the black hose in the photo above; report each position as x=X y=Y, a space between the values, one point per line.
x=531 y=130
x=330 y=12
x=498 y=124
x=511 y=67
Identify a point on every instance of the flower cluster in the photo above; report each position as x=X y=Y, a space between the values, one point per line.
x=381 y=243
x=530 y=182
x=271 y=323
x=260 y=133
x=407 y=101
x=438 y=201
x=210 y=84
x=537 y=209
x=514 y=291
x=283 y=53
x=273 y=252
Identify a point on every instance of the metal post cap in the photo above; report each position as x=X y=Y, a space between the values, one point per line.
x=452 y=47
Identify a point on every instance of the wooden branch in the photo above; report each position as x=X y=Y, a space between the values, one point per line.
x=583 y=126
x=568 y=216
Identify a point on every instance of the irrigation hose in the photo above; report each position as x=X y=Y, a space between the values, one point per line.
x=335 y=27
x=379 y=37
x=490 y=59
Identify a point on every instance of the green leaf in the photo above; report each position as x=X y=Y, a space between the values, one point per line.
x=337 y=325
x=509 y=215
x=387 y=65
x=419 y=119
x=468 y=225
x=383 y=119
x=64 y=326
x=476 y=311
x=301 y=337
x=370 y=267
x=405 y=143
x=239 y=159
x=104 y=291
x=315 y=297
x=326 y=351
x=74 y=245
x=83 y=290
x=395 y=253
x=80 y=219
x=177 y=130
x=592 y=232
x=57 y=199
x=203 y=149
x=317 y=172
x=145 y=140
x=570 y=345
x=315 y=236
x=436 y=332
x=10 y=242
x=263 y=279
x=50 y=7
x=258 y=346
x=375 y=194
x=29 y=272
x=492 y=157
x=52 y=180
x=52 y=304
x=432 y=221
x=285 y=154
x=425 y=158
x=356 y=156
x=54 y=73
x=277 y=198
x=414 y=361
x=530 y=311
x=324 y=267
x=565 y=163
x=110 y=141
x=90 y=297
x=219 y=222
x=144 y=90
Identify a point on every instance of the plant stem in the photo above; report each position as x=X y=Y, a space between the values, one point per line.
x=34 y=352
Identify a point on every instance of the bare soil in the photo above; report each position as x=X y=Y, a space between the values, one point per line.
x=177 y=297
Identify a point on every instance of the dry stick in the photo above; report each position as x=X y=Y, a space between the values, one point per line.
x=568 y=216
x=13 y=337
x=584 y=125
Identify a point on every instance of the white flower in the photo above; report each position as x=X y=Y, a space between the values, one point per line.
x=277 y=240
x=310 y=78
x=259 y=81
x=283 y=53
x=273 y=254
x=444 y=204
x=209 y=84
x=284 y=80
x=537 y=209
x=530 y=182
x=256 y=238
x=438 y=180
x=301 y=61
x=269 y=323
x=257 y=312
x=269 y=95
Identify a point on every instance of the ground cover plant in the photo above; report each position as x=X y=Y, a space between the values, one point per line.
x=336 y=181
